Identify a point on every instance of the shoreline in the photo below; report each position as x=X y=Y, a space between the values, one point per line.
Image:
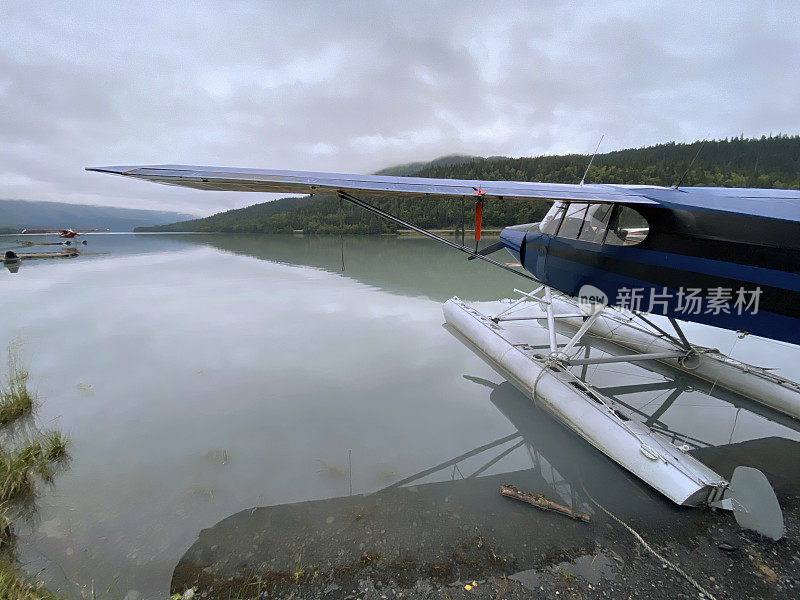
x=449 y=540
x=608 y=563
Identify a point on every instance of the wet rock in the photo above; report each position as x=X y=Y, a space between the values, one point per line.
x=529 y=578
x=423 y=587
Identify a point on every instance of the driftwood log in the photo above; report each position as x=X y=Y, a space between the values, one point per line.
x=539 y=501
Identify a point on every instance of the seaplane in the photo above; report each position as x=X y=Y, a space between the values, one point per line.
x=67 y=234
x=622 y=263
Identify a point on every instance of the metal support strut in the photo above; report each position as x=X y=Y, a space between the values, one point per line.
x=390 y=217
x=551 y=322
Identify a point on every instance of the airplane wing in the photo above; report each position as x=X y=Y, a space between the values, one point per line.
x=780 y=204
x=89 y=230
x=769 y=203
x=309 y=182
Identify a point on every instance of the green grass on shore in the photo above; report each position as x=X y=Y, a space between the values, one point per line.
x=14 y=585
x=29 y=456
x=16 y=401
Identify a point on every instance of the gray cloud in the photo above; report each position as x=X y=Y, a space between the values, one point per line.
x=361 y=85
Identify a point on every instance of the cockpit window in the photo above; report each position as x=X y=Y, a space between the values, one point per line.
x=573 y=221
x=595 y=223
x=552 y=219
x=627 y=227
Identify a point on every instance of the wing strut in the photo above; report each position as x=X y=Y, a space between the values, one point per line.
x=381 y=213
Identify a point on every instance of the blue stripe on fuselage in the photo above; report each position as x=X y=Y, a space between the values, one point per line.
x=696 y=264
x=569 y=276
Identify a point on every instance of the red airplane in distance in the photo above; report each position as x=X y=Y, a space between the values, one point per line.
x=63 y=233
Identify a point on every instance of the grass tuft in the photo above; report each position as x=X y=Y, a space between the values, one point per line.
x=16 y=586
x=28 y=456
x=55 y=445
x=16 y=477
x=16 y=401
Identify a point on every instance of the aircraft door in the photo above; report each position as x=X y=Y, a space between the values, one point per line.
x=567 y=224
x=538 y=240
x=576 y=248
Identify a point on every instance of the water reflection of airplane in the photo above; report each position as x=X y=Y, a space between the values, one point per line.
x=577 y=476
x=571 y=467
x=674 y=383
x=562 y=467
x=12 y=260
x=430 y=516
x=718 y=256
x=425 y=515
x=26 y=243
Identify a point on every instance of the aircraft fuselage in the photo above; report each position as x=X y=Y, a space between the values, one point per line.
x=734 y=271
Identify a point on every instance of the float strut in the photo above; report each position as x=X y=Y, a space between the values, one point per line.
x=679 y=331
x=597 y=311
x=551 y=322
x=525 y=296
x=627 y=358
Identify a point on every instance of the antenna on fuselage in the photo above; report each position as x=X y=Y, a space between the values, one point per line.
x=591 y=160
x=686 y=172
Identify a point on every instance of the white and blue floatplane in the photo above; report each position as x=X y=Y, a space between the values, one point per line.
x=604 y=261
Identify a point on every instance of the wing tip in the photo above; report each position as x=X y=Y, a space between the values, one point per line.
x=112 y=170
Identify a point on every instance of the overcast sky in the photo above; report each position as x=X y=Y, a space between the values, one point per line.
x=357 y=86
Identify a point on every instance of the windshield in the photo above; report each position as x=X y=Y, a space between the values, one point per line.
x=552 y=219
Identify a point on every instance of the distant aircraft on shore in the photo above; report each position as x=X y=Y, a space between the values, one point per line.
x=63 y=233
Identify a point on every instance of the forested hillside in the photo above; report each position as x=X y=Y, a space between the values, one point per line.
x=764 y=162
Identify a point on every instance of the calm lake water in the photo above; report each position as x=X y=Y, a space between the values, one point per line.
x=200 y=375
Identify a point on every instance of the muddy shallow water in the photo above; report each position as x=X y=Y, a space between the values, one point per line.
x=205 y=375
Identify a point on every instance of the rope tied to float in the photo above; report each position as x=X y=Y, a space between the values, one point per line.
x=550 y=360
x=646 y=546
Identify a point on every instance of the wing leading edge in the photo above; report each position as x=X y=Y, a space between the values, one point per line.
x=309 y=182
x=766 y=203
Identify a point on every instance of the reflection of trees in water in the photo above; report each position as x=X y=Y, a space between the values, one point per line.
x=407 y=265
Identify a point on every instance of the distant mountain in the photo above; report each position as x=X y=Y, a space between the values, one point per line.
x=412 y=168
x=766 y=162
x=16 y=215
